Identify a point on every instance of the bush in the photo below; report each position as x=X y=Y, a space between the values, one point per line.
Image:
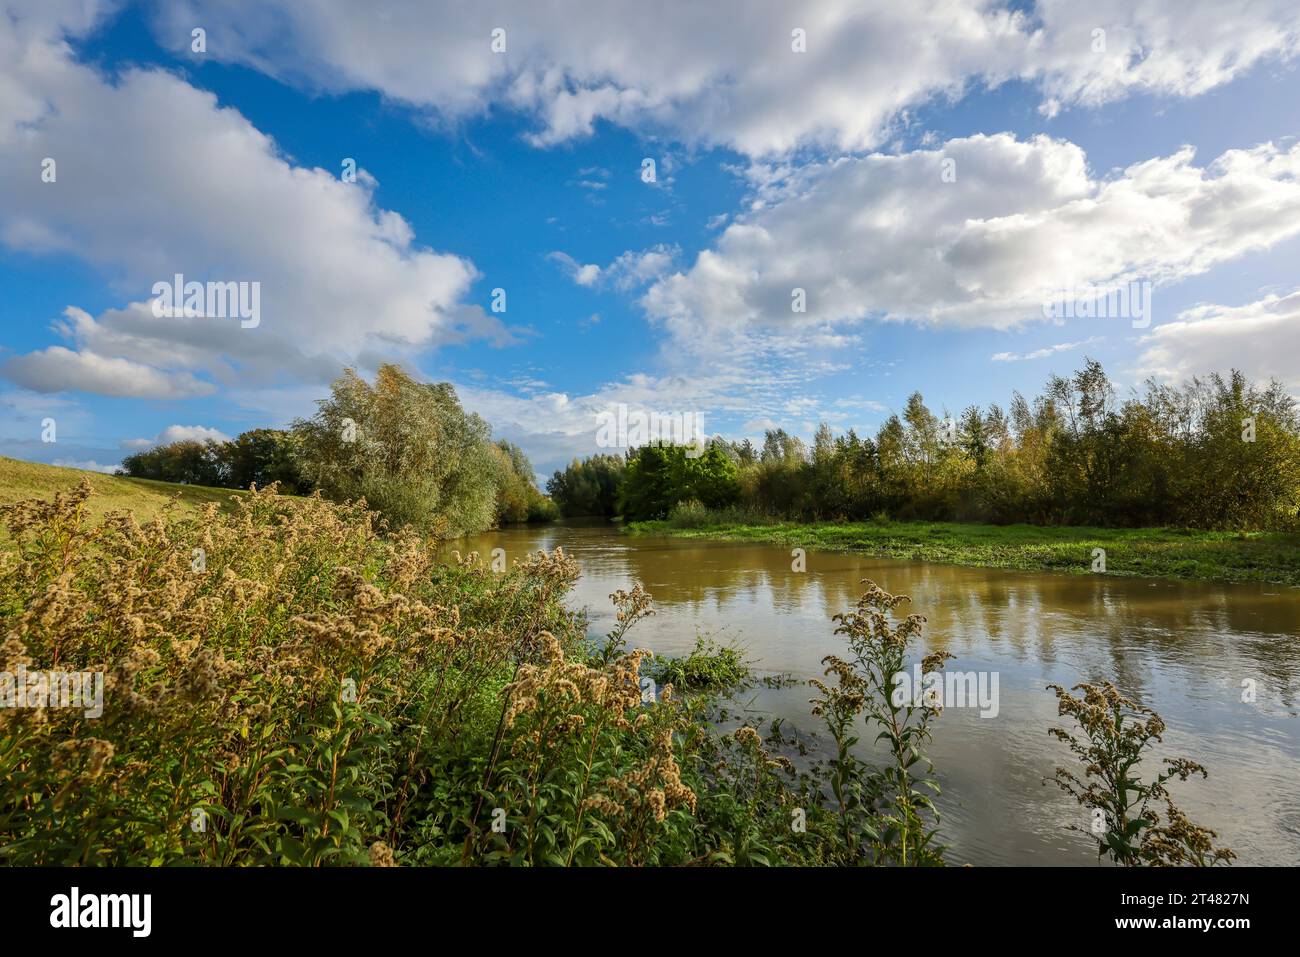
x=694 y=514
x=689 y=514
x=709 y=666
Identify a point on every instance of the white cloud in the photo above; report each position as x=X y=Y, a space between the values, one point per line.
x=56 y=369
x=1260 y=338
x=154 y=178
x=178 y=433
x=724 y=73
x=584 y=275
x=1175 y=48
x=884 y=236
x=1044 y=352
x=628 y=271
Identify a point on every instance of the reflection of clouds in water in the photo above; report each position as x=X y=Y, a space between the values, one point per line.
x=1182 y=648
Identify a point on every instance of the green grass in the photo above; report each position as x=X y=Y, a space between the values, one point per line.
x=146 y=498
x=710 y=666
x=1145 y=552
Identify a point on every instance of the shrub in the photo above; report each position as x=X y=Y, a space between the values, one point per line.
x=287 y=686
x=1126 y=820
x=884 y=817
x=278 y=679
x=709 y=666
x=689 y=514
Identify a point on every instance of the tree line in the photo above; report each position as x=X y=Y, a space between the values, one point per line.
x=1212 y=452
x=408 y=448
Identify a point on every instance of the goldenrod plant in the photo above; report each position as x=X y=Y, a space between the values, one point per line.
x=1114 y=735
x=884 y=815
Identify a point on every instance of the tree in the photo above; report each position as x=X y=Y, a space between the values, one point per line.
x=518 y=499
x=660 y=476
x=407 y=448
x=188 y=462
x=260 y=457
x=589 y=487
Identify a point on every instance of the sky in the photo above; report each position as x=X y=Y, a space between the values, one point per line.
x=762 y=213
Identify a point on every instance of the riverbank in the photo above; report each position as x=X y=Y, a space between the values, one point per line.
x=144 y=498
x=1180 y=554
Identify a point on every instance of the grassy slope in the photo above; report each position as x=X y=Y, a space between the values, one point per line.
x=24 y=480
x=1148 y=552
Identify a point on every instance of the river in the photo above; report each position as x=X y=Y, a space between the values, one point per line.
x=1185 y=649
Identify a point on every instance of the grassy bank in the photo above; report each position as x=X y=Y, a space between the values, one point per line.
x=1146 y=552
x=142 y=497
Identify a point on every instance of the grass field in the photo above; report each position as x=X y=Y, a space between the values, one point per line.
x=1145 y=552
x=24 y=480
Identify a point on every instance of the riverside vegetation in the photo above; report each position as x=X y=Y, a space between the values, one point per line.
x=1188 y=554
x=292 y=681
x=408 y=448
x=1196 y=481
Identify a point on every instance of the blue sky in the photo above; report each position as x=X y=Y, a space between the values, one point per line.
x=522 y=170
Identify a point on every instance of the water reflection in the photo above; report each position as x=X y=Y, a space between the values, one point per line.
x=1182 y=648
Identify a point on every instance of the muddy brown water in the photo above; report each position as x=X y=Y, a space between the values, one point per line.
x=1183 y=648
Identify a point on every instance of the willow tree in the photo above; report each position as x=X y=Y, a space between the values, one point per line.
x=407 y=448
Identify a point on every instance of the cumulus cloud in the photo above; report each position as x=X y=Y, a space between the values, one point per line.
x=629 y=270
x=726 y=73
x=178 y=433
x=55 y=369
x=1260 y=338
x=155 y=178
x=886 y=236
x=583 y=274
x=1096 y=53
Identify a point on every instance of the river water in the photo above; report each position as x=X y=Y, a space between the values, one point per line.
x=1185 y=649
